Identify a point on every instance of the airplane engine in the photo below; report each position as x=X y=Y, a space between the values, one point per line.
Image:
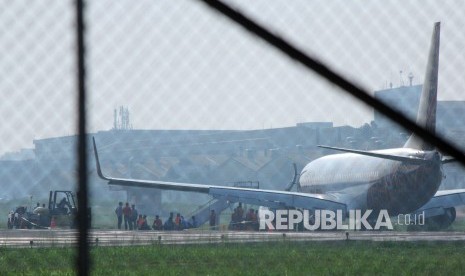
x=442 y=221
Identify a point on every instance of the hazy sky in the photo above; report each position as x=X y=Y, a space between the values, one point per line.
x=179 y=65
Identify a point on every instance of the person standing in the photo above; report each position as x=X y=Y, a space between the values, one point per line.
x=212 y=220
x=127 y=217
x=177 y=222
x=169 y=224
x=193 y=222
x=11 y=216
x=134 y=216
x=119 y=214
x=240 y=213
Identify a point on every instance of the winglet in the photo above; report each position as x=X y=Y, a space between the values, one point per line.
x=447 y=160
x=97 y=162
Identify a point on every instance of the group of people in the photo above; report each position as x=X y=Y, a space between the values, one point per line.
x=135 y=221
x=130 y=216
x=178 y=223
x=239 y=222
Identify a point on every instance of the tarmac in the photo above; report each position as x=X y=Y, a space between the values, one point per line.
x=64 y=238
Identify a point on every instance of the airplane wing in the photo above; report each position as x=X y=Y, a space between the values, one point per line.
x=443 y=200
x=268 y=198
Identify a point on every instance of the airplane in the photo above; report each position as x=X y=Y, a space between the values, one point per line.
x=400 y=180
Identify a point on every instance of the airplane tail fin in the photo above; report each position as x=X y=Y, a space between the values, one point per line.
x=426 y=116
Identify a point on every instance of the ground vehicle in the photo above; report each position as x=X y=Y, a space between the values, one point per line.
x=61 y=212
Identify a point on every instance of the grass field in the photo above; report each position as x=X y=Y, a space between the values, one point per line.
x=283 y=258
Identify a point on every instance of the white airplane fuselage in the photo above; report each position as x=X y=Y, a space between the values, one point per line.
x=365 y=182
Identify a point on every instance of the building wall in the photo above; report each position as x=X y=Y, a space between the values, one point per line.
x=406 y=99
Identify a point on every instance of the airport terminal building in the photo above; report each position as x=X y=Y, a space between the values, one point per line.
x=262 y=157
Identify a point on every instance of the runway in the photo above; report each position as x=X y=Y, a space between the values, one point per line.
x=63 y=238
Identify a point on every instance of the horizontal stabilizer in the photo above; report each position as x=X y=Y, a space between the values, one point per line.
x=411 y=160
x=448 y=160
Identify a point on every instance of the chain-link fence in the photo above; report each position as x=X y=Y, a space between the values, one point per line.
x=177 y=91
